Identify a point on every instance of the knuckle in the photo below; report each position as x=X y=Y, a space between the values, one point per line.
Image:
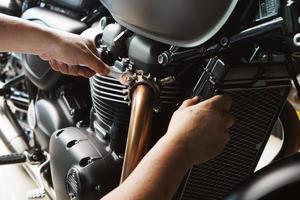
x=54 y=68
x=186 y=102
x=226 y=137
x=223 y=98
x=230 y=120
x=209 y=104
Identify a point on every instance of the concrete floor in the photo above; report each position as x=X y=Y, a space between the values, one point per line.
x=14 y=181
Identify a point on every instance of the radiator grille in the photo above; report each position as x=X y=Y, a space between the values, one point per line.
x=255 y=111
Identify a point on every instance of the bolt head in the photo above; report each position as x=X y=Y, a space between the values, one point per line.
x=224 y=41
x=163 y=59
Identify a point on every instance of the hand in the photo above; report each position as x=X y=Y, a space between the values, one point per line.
x=74 y=55
x=201 y=129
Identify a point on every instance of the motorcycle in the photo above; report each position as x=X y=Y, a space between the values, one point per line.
x=22 y=85
x=88 y=136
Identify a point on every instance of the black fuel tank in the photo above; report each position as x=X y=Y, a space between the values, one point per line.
x=179 y=22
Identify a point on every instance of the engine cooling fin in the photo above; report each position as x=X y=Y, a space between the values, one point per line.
x=256 y=111
x=111 y=102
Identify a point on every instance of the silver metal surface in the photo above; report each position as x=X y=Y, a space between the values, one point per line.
x=296 y=40
x=11 y=133
x=15 y=181
x=33 y=171
x=123 y=77
x=177 y=22
x=40 y=192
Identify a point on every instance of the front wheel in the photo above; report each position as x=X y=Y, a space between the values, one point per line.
x=291 y=131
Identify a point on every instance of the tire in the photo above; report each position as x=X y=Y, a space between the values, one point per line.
x=291 y=134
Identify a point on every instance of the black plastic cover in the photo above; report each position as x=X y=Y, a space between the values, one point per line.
x=51 y=116
x=81 y=165
x=68 y=108
x=37 y=70
x=54 y=20
x=12 y=159
x=144 y=53
x=76 y=4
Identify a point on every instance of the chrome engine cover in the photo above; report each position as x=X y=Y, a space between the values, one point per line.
x=176 y=22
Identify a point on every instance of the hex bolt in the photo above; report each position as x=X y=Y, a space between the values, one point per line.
x=224 y=41
x=163 y=59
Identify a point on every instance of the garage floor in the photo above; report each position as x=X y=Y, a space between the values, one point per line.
x=14 y=181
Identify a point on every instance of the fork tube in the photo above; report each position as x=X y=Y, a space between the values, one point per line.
x=139 y=128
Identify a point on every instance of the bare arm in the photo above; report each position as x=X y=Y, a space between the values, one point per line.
x=64 y=51
x=19 y=35
x=197 y=133
x=157 y=176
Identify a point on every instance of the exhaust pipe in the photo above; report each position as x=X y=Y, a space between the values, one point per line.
x=139 y=128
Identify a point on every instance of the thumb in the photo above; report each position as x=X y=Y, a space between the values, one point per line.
x=189 y=102
x=45 y=57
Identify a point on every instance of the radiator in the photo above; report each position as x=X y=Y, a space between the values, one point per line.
x=256 y=111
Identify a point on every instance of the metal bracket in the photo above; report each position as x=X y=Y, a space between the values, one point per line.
x=40 y=192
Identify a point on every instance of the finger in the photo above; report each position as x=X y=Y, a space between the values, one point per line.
x=189 y=102
x=74 y=70
x=52 y=65
x=226 y=137
x=45 y=57
x=85 y=72
x=223 y=102
x=62 y=67
x=96 y=64
x=229 y=119
x=219 y=102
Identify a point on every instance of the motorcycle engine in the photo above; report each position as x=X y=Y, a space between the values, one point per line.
x=86 y=161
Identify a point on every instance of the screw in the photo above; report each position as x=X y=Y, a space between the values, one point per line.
x=224 y=41
x=264 y=57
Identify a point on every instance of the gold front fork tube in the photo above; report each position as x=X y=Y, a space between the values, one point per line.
x=139 y=128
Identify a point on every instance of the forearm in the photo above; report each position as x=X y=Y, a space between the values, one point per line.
x=20 y=35
x=157 y=176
